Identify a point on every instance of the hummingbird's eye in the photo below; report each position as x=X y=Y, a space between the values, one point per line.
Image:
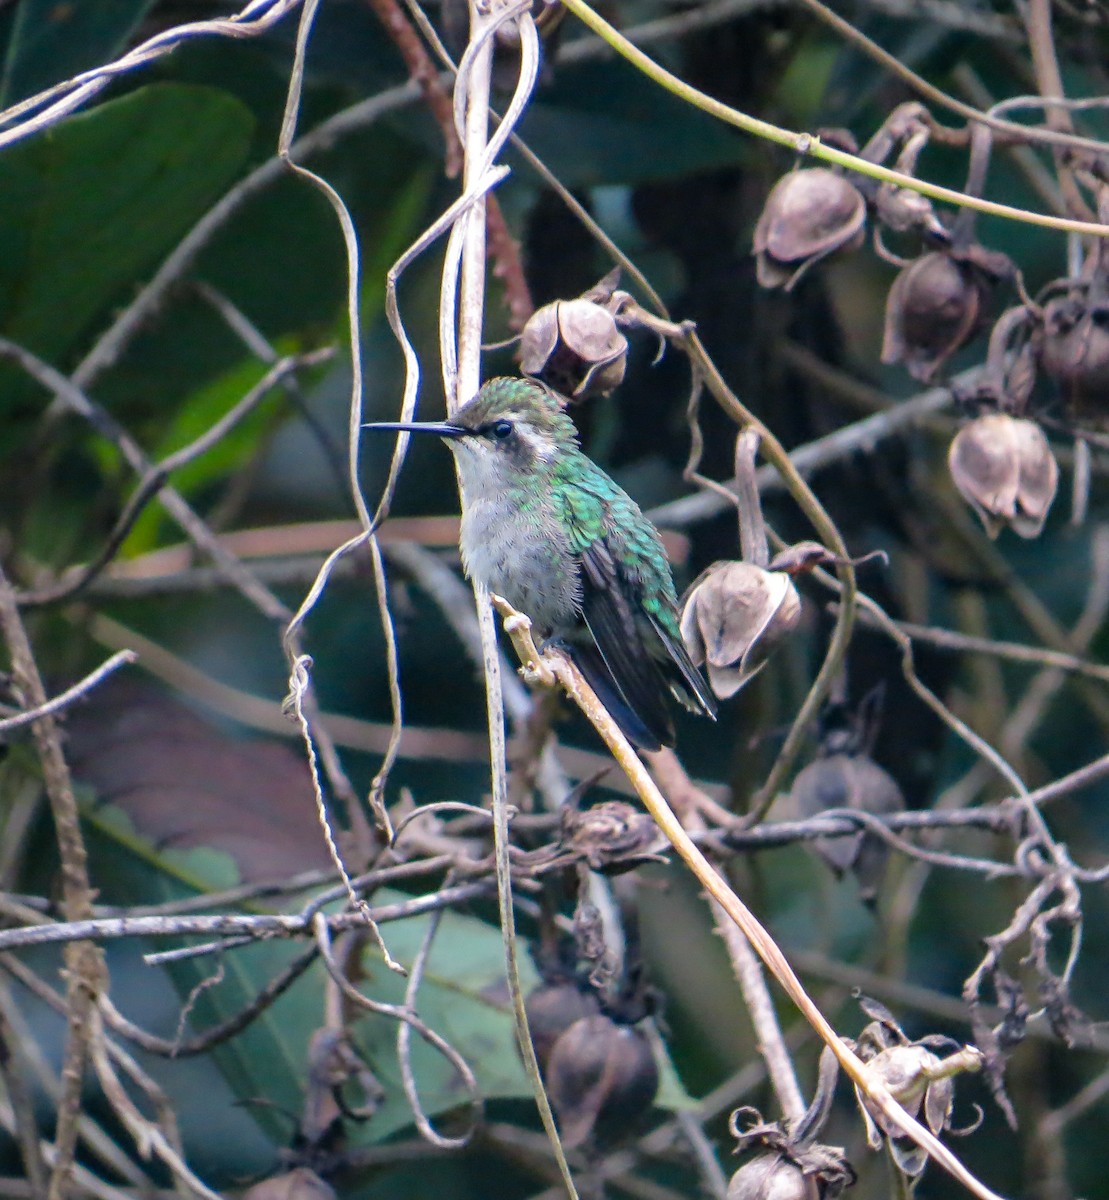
x=501 y=430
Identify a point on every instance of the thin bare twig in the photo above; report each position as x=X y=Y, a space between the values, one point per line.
x=64 y=699
x=961 y=643
x=20 y=1099
x=150 y=1137
x=422 y=72
x=681 y=794
x=557 y=665
x=84 y=961
x=155 y=477
x=197 y=530
x=94 y=1137
x=404 y=1055
x=200 y=1044
x=860 y=437
x=399 y=1012
x=63 y=98
x=460 y=350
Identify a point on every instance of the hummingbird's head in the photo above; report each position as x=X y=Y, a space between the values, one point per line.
x=511 y=430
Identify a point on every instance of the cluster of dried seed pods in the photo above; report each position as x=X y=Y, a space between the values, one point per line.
x=791 y=1164
x=1001 y=461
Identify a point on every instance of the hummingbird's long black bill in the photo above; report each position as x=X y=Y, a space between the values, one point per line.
x=442 y=428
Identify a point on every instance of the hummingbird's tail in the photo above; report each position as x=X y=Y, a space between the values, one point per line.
x=647 y=727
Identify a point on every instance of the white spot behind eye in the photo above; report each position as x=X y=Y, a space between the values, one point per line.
x=542 y=448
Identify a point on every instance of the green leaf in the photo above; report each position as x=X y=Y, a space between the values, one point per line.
x=190 y=419
x=52 y=40
x=183 y=809
x=463 y=996
x=88 y=208
x=600 y=124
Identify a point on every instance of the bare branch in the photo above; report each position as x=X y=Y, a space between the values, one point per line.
x=64 y=699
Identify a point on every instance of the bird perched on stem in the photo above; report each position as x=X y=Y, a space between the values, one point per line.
x=545 y=527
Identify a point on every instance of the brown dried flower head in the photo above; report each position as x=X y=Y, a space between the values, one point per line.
x=575 y=347
x=552 y=1008
x=789 y=1167
x=772 y=1177
x=601 y=1077
x=917 y=1078
x=810 y=1172
x=808 y=215
x=298 y=1184
x=934 y=307
x=1074 y=352
x=1004 y=468
x=733 y=617
x=850 y=781
x=611 y=837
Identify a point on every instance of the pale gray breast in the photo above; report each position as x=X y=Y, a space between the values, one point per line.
x=523 y=555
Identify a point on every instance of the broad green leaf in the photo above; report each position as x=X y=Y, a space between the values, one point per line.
x=51 y=41
x=463 y=996
x=197 y=414
x=604 y=123
x=183 y=810
x=88 y=208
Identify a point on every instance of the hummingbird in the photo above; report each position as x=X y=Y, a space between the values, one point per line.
x=544 y=527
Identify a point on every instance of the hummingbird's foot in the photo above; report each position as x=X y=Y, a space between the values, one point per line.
x=534 y=671
x=538 y=674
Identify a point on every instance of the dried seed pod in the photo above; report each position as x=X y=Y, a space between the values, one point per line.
x=1074 y=352
x=808 y=1172
x=1004 y=468
x=611 y=837
x=792 y=1165
x=912 y=1074
x=808 y=215
x=552 y=1008
x=934 y=307
x=733 y=617
x=298 y=1184
x=601 y=1077
x=855 y=782
x=771 y=1177
x=917 y=1079
x=574 y=346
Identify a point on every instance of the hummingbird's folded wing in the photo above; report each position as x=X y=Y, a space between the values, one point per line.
x=625 y=582
x=618 y=636
x=695 y=693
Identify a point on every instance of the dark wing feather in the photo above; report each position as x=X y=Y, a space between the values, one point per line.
x=632 y=671
x=587 y=658
x=697 y=697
